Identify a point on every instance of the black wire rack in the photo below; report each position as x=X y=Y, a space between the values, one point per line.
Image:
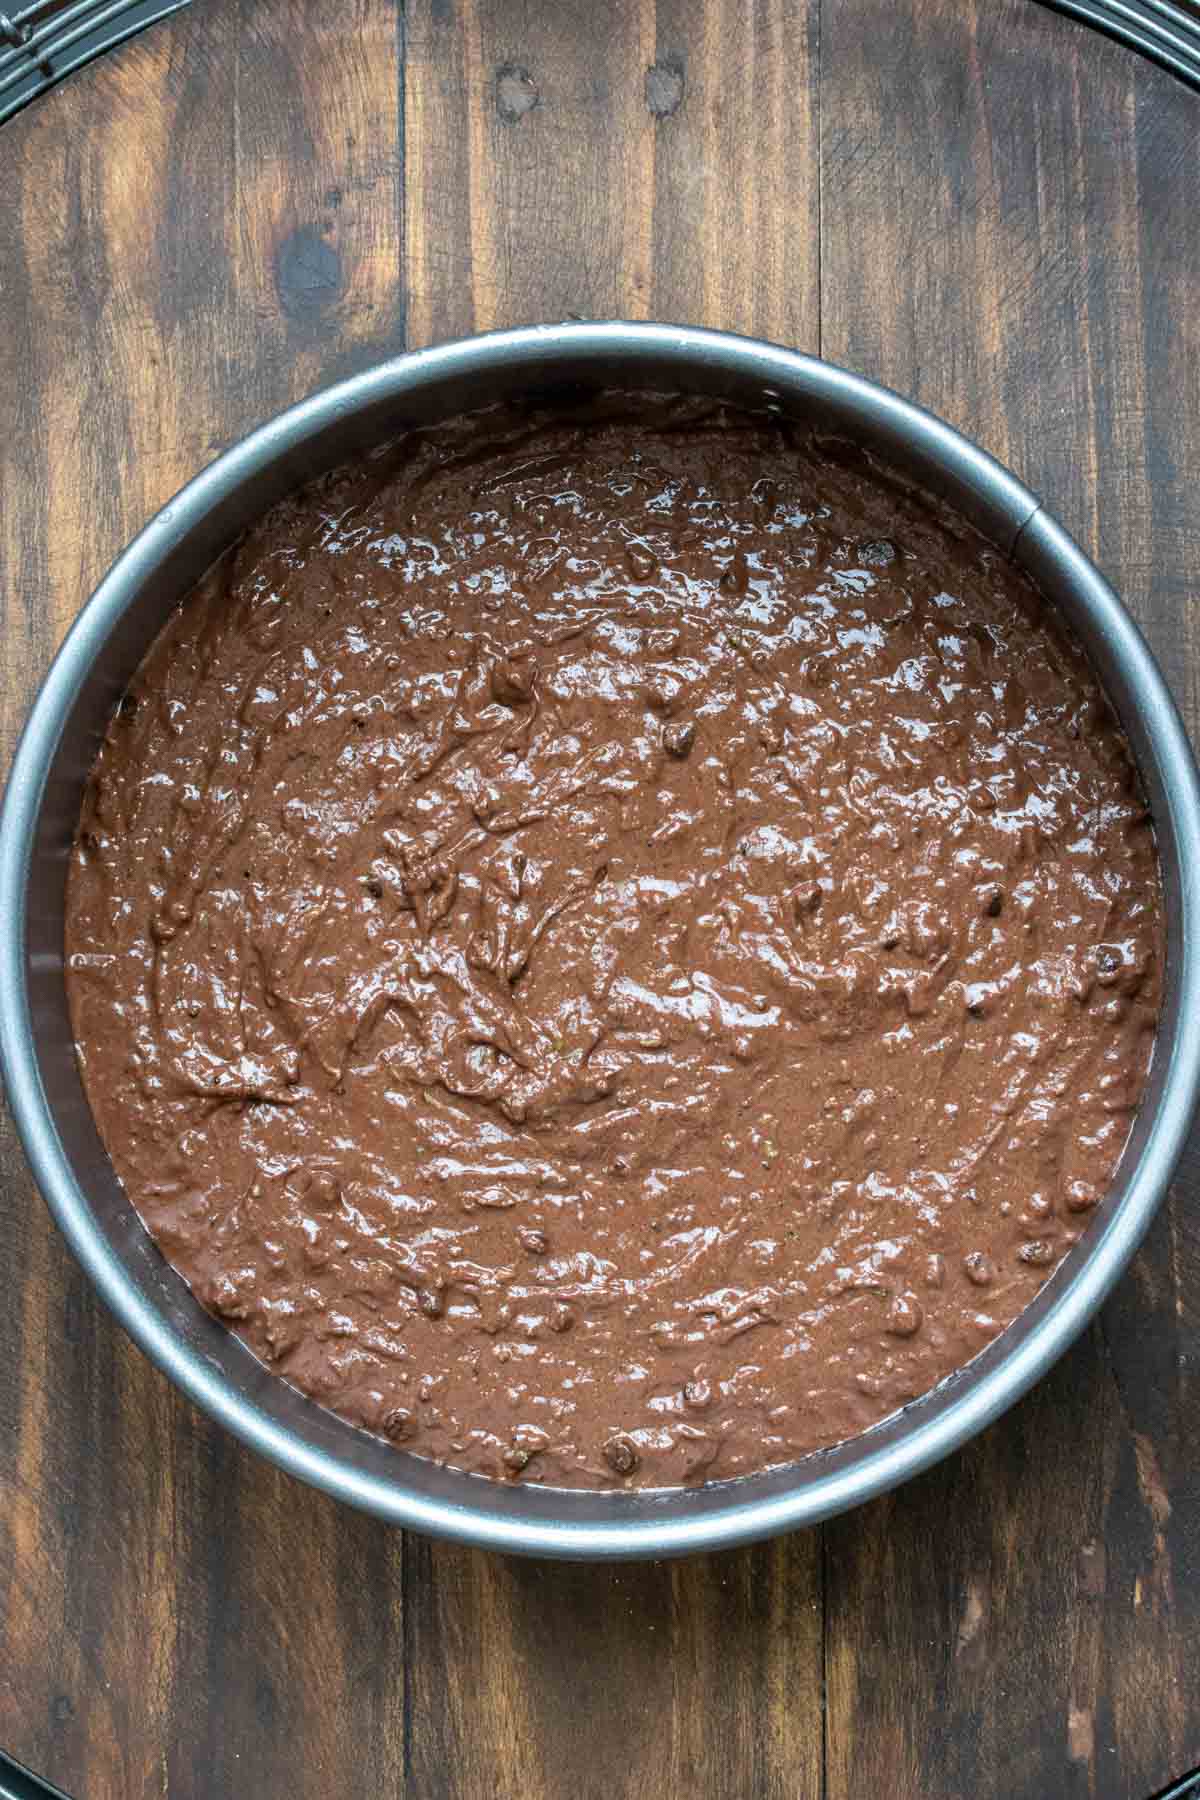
x=18 y=1783
x=41 y=43
x=1167 y=31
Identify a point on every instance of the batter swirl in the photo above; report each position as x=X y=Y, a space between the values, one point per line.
x=615 y=948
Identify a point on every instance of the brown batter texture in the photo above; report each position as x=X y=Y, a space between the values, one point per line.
x=615 y=948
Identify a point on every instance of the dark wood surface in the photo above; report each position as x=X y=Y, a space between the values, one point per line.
x=975 y=200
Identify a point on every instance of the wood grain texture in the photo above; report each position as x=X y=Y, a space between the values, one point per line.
x=995 y=244
x=558 y=167
x=207 y=225
x=973 y=200
x=564 y=163
x=694 y=1677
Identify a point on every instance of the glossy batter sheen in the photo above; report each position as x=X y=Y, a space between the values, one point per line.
x=614 y=950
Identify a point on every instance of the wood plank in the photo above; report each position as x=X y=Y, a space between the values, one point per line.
x=695 y=1677
x=1007 y=236
x=209 y=225
x=574 y=161
x=527 y=145
x=734 y=95
x=257 y=198
x=569 y=162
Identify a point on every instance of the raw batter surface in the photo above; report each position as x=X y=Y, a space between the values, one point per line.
x=614 y=950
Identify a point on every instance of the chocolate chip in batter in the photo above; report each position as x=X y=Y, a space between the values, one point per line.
x=905 y=1315
x=398 y=1424
x=621 y=1455
x=643 y=564
x=513 y=680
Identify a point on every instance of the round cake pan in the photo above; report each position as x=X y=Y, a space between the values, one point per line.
x=41 y=808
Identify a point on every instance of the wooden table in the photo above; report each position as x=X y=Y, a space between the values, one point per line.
x=977 y=201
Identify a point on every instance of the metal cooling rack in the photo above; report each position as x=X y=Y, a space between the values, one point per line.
x=41 y=43
x=1167 y=31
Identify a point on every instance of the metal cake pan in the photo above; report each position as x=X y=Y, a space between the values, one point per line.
x=41 y=808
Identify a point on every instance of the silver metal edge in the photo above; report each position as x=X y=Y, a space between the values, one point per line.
x=643 y=1529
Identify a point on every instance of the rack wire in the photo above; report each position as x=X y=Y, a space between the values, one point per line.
x=1167 y=31
x=49 y=39
x=42 y=42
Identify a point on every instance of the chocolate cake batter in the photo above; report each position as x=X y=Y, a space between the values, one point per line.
x=614 y=948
